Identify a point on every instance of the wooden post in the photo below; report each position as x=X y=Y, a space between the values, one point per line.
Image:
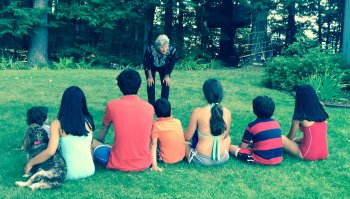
x=346 y=33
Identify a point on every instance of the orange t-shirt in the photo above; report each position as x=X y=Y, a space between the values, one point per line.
x=171 y=141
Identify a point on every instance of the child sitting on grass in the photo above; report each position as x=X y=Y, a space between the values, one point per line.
x=167 y=136
x=311 y=118
x=263 y=135
x=209 y=129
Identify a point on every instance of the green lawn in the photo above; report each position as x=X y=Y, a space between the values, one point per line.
x=19 y=90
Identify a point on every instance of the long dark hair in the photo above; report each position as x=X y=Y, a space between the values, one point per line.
x=74 y=113
x=214 y=93
x=308 y=106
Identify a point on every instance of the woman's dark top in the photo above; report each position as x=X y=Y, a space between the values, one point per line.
x=166 y=62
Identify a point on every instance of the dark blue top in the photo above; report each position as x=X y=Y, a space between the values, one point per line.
x=166 y=62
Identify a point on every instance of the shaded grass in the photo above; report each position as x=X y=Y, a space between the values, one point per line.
x=19 y=90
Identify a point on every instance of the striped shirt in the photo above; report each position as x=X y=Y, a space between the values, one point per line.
x=266 y=136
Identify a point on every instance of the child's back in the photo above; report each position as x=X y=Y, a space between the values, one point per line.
x=168 y=141
x=266 y=138
x=263 y=134
x=171 y=140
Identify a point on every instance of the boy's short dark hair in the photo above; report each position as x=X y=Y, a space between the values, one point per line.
x=263 y=107
x=162 y=107
x=37 y=115
x=129 y=82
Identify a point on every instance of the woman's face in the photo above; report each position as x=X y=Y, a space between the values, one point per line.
x=163 y=49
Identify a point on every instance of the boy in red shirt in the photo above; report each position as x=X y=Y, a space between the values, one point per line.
x=263 y=134
x=167 y=135
x=132 y=120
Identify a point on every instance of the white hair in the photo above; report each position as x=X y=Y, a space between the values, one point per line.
x=161 y=40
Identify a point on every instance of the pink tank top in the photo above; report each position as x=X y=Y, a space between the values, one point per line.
x=314 y=144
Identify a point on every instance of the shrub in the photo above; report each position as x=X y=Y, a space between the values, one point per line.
x=327 y=85
x=283 y=72
x=300 y=47
x=64 y=63
x=10 y=63
x=346 y=79
x=83 y=64
x=216 y=64
x=189 y=63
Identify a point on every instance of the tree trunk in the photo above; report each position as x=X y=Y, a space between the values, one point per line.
x=149 y=9
x=201 y=30
x=319 y=21
x=227 y=35
x=38 y=52
x=346 y=33
x=180 y=29
x=291 y=28
x=341 y=5
x=328 y=35
x=168 y=19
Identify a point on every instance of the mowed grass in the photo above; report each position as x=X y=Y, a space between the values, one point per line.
x=20 y=90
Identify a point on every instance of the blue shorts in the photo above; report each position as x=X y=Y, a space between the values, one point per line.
x=101 y=154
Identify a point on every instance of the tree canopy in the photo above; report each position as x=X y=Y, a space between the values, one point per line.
x=104 y=32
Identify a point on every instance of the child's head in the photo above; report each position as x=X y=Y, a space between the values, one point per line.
x=307 y=105
x=213 y=91
x=37 y=115
x=162 y=107
x=263 y=107
x=129 y=82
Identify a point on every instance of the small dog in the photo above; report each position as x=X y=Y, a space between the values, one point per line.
x=49 y=174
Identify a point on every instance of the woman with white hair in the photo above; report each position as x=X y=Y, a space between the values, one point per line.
x=159 y=57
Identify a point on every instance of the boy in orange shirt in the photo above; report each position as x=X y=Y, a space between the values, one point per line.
x=167 y=132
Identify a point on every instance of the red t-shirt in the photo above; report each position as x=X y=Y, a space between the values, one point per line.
x=132 y=120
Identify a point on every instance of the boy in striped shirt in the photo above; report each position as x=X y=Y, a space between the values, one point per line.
x=263 y=136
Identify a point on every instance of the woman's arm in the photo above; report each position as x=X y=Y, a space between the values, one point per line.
x=50 y=150
x=293 y=129
x=192 y=126
x=228 y=122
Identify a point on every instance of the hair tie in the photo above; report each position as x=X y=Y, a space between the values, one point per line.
x=213 y=104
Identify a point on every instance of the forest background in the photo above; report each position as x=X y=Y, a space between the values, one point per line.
x=112 y=34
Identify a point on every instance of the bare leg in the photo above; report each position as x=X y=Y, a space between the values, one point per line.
x=233 y=149
x=95 y=143
x=298 y=140
x=291 y=147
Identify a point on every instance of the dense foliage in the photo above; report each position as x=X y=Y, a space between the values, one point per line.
x=107 y=33
x=304 y=63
